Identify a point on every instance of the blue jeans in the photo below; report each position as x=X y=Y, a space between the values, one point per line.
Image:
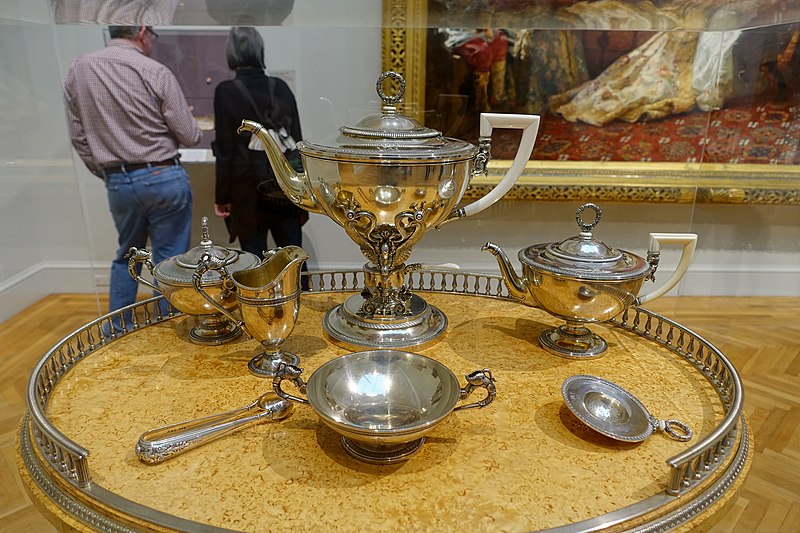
x=154 y=202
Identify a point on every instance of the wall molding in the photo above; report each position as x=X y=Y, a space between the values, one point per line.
x=47 y=277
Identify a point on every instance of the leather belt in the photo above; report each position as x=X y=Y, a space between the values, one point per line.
x=130 y=167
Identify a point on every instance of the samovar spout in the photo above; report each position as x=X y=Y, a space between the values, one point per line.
x=294 y=184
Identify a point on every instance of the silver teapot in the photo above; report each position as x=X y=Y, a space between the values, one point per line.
x=582 y=280
x=386 y=181
x=175 y=280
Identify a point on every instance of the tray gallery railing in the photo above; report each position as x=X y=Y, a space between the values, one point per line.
x=686 y=470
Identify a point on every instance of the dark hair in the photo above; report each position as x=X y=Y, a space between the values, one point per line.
x=245 y=48
x=123 y=32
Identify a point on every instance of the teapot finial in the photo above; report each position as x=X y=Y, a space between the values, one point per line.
x=586 y=227
x=389 y=101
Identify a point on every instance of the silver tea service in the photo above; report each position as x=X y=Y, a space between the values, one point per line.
x=382 y=403
x=582 y=280
x=386 y=181
x=268 y=296
x=175 y=280
x=613 y=411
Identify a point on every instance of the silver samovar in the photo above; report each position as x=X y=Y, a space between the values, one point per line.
x=386 y=181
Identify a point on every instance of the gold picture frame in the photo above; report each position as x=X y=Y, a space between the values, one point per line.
x=405 y=28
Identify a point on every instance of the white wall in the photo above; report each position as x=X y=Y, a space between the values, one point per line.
x=57 y=234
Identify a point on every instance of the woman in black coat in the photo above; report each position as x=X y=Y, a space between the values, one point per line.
x=250 y=213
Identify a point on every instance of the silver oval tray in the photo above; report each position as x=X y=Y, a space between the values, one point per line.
x=47 y=452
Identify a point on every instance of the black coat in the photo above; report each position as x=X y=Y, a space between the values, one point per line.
x=237 y=175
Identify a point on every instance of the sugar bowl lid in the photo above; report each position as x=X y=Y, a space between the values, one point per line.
x=179 y=270
x=390 y=136
x=585 y=257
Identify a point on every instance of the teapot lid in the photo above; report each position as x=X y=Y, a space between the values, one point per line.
x=180 y=269
x=585 y=257
x=391 y=136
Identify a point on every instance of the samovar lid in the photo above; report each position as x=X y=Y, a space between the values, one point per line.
x=585 y=257
x=180 y=269
x=391 y=136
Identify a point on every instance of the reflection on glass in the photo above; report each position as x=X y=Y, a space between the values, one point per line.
x=168 y=12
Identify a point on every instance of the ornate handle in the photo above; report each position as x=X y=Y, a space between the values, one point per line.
x=479 y=378
x=530 y=126
x=208 y=262
x=135 y=255
x=689 y=243
x=675 y=429
x=391 y=100
x=292 y=373
x=587 y=227
x=158 y=445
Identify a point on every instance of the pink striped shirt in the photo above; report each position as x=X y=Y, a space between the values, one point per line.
x=123 y=107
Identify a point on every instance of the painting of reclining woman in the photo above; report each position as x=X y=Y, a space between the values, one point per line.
x=654 y=87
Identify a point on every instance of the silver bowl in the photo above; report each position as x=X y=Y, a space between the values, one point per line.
x=383 y=402
x=611 y=410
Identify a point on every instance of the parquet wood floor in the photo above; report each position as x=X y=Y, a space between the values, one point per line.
x=761 y=336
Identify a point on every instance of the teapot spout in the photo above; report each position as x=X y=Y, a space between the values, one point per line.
x=293 y=184
x=516 y=286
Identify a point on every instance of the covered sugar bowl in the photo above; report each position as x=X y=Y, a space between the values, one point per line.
x=174 y=279
x=583 y=280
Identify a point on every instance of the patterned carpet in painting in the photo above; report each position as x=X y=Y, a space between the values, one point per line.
x=740 y=133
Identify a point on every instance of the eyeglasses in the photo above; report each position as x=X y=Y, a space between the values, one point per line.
x=151 y=32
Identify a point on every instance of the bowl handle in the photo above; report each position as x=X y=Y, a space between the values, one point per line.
x=292 y=373
x=530 y=126
x=689 y=243
x=479 y=378
x=136 y=255
x=675 y=429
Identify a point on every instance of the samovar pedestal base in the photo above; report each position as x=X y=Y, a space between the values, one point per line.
x=346 y=327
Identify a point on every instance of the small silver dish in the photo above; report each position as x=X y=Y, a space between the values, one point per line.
x=383 y=402
x=611 y=410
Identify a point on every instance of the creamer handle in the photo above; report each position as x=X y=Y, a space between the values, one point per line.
x=207 y=262
x=530 y=126
x=689 y=243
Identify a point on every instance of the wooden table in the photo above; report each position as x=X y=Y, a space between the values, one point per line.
x=523 y=463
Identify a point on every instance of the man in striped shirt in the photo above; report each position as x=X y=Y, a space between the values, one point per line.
x=127 y=117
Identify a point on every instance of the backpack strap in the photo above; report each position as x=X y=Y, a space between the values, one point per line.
x=248 y=97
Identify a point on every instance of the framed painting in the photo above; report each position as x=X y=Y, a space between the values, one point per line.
x=633 y=109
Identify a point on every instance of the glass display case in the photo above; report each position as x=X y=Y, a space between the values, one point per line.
x=673 y=115
x=716 y=153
